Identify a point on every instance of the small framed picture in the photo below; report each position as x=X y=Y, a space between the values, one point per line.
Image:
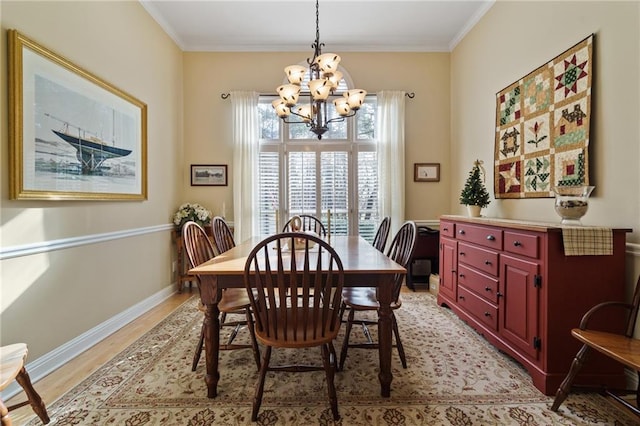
x=208 y=175
x=426 y=172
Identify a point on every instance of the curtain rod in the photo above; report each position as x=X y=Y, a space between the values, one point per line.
x=410 y=95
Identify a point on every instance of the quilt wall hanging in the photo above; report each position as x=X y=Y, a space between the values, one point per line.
x=542 y=127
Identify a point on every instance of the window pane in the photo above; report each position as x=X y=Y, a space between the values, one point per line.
x=335 y=190
x=268 y=190
x=269 y=121
x=366 y=120
x=302 y=183
x=368 y=195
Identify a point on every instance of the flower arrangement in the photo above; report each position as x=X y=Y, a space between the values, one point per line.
x=191 y=211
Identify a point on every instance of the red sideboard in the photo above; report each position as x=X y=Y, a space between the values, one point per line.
x=511 y=281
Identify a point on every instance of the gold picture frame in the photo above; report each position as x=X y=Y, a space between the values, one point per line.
x=72 y=135
x=426 y=172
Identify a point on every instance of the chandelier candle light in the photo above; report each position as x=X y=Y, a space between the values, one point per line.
x=324 y=78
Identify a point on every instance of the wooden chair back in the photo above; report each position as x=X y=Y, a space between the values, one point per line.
x=197 y=244
x=199 y=248
x=222 y=235
x=380 y=240
x=401 y=251
x=314 y=272
x=309 y=223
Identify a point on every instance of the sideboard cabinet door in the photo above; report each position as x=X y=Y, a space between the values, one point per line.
x=520 y=304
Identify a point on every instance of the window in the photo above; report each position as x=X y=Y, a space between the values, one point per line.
x=300 y=174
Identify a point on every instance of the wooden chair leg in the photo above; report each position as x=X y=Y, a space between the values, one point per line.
x=198 y=352
x=396 y=332
x=565 y=386
x=4 y=415
x=223 y=318
x=254 y=342
x=329 y=368
x=257 y=399
x=34 y=399
x=638 y=392
x=345 y=342
x=343 y=307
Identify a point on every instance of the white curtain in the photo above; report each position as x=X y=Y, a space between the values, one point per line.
x=390 y=132
x=245 y=162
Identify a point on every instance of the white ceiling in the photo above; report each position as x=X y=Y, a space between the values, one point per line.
x=290 y=25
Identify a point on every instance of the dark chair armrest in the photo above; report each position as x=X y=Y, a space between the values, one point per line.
x=586 y=317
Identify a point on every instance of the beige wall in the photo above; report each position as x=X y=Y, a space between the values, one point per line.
x=208 y=120
x=49 y=298
x=514 y=38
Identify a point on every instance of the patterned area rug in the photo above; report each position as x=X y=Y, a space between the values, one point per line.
x=454 y=377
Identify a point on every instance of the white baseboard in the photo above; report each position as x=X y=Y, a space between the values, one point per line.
x=65 y=353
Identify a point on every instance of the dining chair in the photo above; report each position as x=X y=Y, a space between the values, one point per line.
x=361 y=299
x=234 y=300
x=308 y=223
x=12 y=359
x=621 y=346
x=222 y=235
x=272 y=272
x=380 y=240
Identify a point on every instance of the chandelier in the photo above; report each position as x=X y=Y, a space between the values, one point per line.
x=324 y=78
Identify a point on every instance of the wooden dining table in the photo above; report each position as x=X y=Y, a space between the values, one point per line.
x=364 y=266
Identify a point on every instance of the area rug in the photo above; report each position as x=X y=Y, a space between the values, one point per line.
x=454 y=377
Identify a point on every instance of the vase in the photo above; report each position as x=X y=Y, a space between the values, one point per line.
x=572 y=202
x=474 y=211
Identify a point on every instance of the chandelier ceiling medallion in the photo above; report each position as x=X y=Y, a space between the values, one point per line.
x=324 y=78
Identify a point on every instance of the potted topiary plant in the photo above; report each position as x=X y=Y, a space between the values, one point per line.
x=474 y=195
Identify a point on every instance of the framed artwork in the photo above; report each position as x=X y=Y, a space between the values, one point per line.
x=72 y=135
x=542 y=127
x=208 y=175
x=426 y=172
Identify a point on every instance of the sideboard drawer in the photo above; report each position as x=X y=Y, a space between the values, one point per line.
x=484 y=236
x=483 y=285
x=479 y=308
x=521 y=243
x=479 y=258
x=447 y=229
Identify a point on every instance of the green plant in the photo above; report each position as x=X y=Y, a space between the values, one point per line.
x=474 y=192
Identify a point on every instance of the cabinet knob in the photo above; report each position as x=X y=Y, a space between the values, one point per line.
x=491 y=238
x=517 y=243
x=487 y=288
x=487 y=262
x=445 y=229
x=487 y=314
x=461 y=275
x=461 y=253
x=498 y=294
x=461 y=232
x=461 y=297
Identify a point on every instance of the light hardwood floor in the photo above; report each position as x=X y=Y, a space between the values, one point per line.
x=75 y=371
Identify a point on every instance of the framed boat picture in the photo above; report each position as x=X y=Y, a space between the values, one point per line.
x=208 y=175
x=72 y=135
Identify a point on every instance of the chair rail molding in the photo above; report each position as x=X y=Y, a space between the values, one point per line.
x=66 y=243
